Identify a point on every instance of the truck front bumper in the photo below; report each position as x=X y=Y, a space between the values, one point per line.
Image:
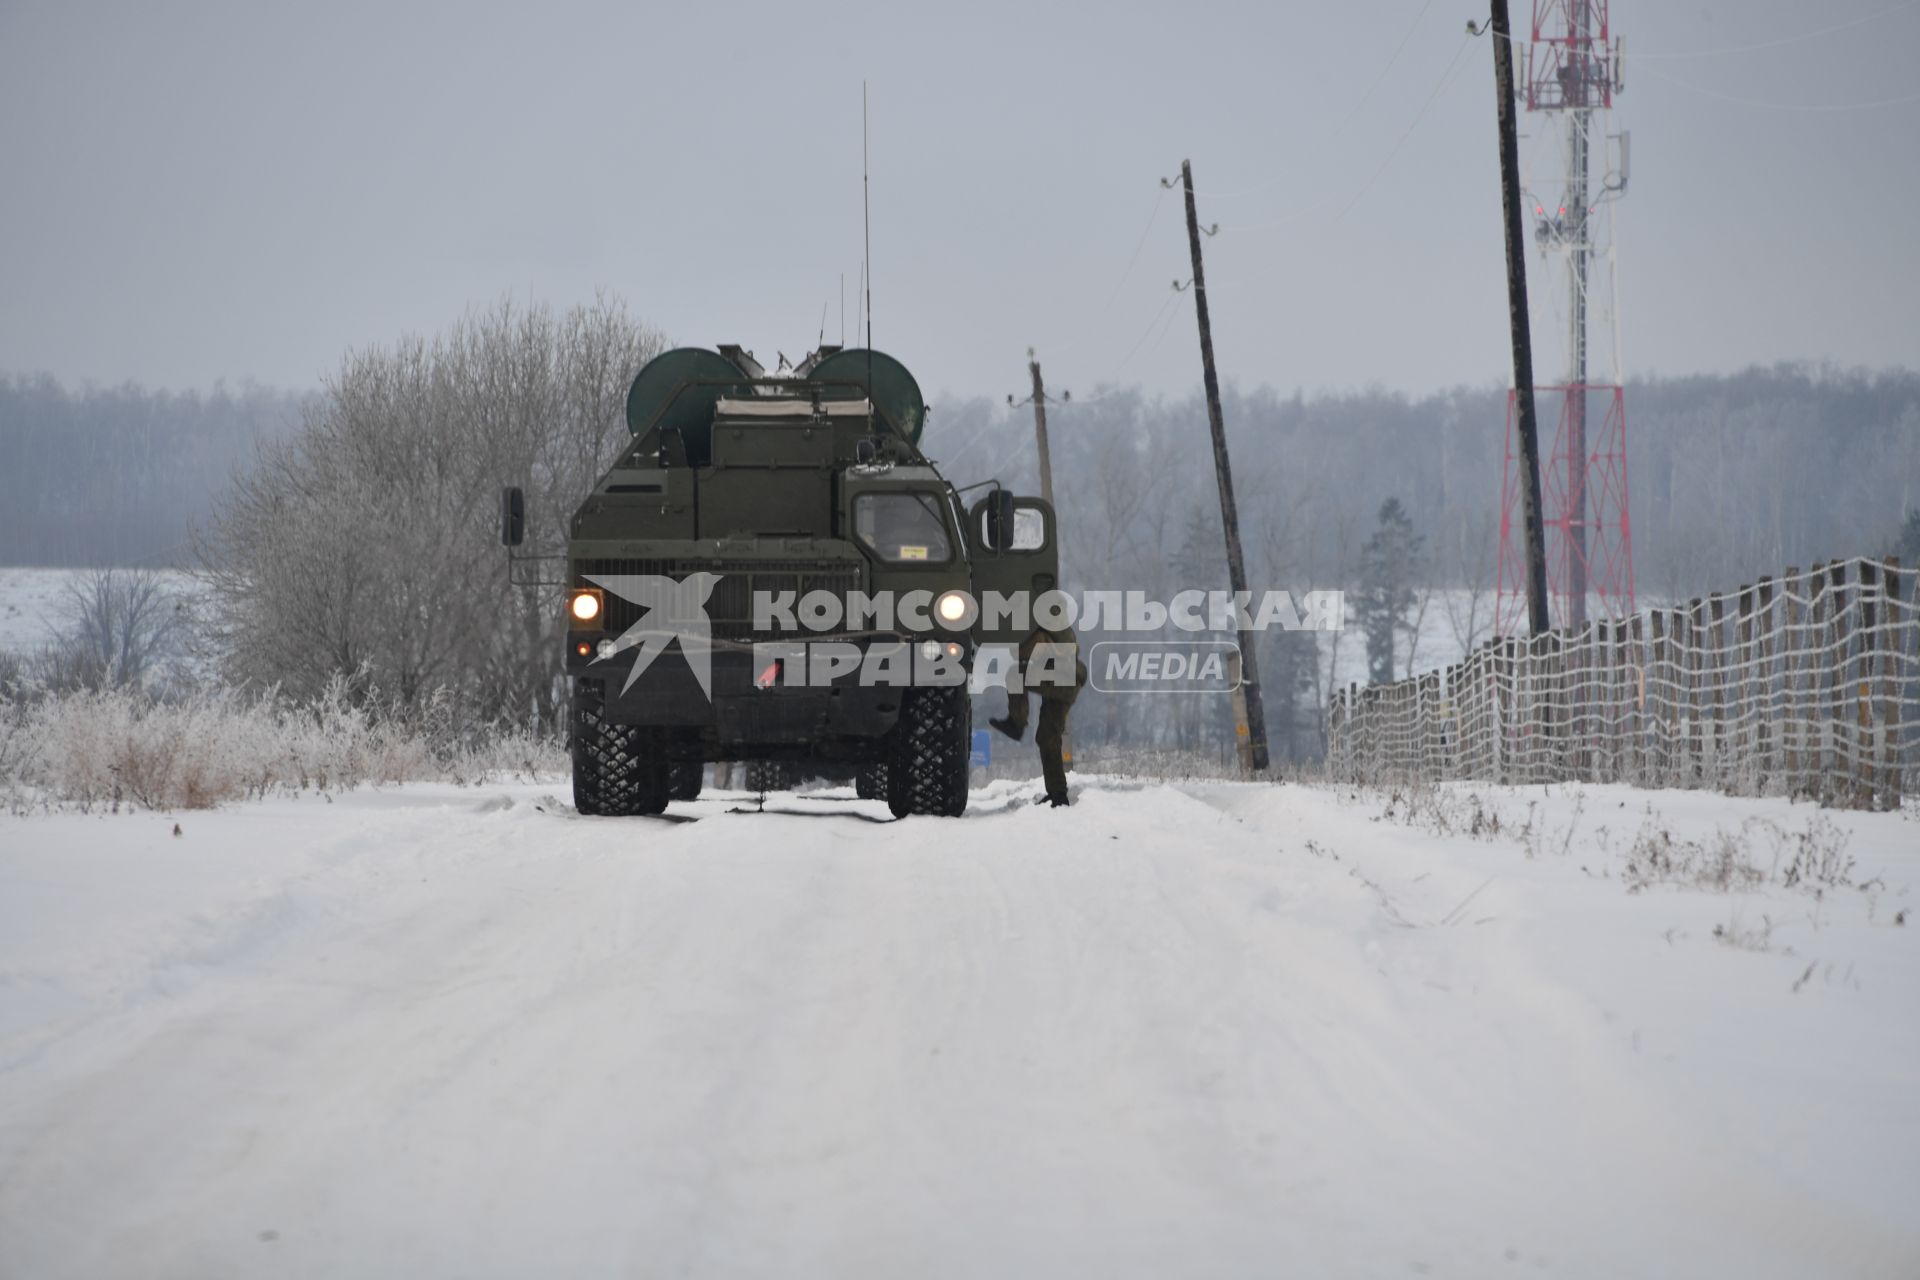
x=771 y=694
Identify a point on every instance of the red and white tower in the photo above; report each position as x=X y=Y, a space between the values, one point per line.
x=1573 y=71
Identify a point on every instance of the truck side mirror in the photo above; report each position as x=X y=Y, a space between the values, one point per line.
x=513 y=516
x=1000 y=520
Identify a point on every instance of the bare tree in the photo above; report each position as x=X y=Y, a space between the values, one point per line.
x=122 y=626
x=365 y=546
x=1467 y=602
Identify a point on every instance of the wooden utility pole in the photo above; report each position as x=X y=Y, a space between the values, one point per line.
x=1040 y=427
x=1039 y=399
x=1253 y=725
x=1528 y=423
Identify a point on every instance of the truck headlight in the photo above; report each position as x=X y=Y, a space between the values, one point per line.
x=956 y=610
x=584 y=606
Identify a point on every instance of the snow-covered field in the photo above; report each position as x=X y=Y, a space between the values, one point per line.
x=33 y=606
x=1210 y=1030
x=36 y=604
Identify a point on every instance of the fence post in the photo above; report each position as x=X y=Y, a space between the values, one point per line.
x=1635 y=670
x=1599 y=698
x=1593 y=697
x=1766 y=740
x=1473 y=716
x=1713 y=657
x=1790 y=609
x=1613 y=724
x=1566 y=665
x=1680 y=642
x=1823 y=678
x=1497 y=710
x=1807 y=680
x=1827 y=683
x=1840 y=644
x=1866 y=737
x=1620 y=705
x=1896 y=621
x=1541 y=707
x=1741 y=693
x=1652 y=700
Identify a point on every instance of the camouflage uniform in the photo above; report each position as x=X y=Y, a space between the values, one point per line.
x=1056 y=700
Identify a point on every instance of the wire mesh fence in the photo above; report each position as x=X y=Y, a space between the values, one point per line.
x=1807 y=684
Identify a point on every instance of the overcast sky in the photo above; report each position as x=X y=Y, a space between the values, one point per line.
x=197 y=191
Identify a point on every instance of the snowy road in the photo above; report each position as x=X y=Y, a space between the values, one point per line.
x=1204 y=1031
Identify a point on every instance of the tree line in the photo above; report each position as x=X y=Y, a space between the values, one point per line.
x=349 y=532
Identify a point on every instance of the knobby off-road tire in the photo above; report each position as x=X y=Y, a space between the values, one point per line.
x=871 y=782
x=932 y=743
x=612 y=775
x=772 y=775
x=685 y=778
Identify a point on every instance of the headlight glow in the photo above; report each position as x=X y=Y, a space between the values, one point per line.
x=585 y=606
x=955 y=609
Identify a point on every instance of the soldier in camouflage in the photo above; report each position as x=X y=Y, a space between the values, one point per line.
x=1050 y=666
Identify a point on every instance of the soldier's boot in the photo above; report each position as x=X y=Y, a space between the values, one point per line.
x=1014 y=723
x=1050 y=737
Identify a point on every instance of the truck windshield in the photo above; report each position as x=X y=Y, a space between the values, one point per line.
x=901 y=526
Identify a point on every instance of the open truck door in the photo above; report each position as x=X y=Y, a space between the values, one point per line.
x=1013 y=550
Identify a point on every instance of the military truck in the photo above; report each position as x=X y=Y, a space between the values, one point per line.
x=804 y=487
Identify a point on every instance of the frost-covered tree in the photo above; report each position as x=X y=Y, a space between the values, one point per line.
x=366 y=545
x=121 y=628
x=1906 y=544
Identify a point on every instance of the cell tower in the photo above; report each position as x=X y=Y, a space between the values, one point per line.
x=1573 y=70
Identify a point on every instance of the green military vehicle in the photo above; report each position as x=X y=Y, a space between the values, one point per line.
x=722 y=581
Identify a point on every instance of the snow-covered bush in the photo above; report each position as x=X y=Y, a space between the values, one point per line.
x=120 y=746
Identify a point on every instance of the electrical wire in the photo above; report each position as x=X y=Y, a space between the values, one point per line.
x=1439 y=89
x=1303 y=211
x=1776 y=44
x=1339 y=127
x=1814 y=108
x=1166 y=308
x=1446 y=78
x=1158 y=200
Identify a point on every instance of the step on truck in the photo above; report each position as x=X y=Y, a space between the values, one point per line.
x=773 y=572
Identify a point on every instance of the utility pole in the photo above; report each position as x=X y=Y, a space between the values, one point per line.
x=1528 y=425
x=1040 y=427
x=1039 y=401
x=1252 y=724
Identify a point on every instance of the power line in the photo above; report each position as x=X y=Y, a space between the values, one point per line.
x=1306 y=209
x=1162 y=320
x=1446 y=78
x=1775 y=44
x=1440 y=87
x=1352 y=111
x=1158 y=200
x=1816 y=108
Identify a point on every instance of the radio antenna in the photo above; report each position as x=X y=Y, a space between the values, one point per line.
x=866 y=219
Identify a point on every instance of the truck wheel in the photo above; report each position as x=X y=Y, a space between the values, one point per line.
x=767 y=775
x=932 y=746
x=871 y=782
x=685 y=779
x=612 y=774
